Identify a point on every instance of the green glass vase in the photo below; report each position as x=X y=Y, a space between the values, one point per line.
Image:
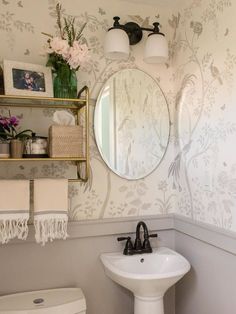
x=65 y=82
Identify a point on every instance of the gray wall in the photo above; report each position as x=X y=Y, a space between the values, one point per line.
x=74 y=262
x=210 y=287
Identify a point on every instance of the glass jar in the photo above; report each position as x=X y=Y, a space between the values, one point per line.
x=36 y=147
x=65 y=82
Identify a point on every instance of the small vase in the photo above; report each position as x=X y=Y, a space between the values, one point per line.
x=65 y=82
x=4 y=150
x=16 y=148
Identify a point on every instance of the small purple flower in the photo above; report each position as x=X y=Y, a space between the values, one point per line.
x=8 y=126
x=14 y=121
x=8 y=122
x=3 y=121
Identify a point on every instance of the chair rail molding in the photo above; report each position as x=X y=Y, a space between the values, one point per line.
x=220 y=238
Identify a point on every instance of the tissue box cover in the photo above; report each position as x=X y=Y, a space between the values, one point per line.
x=66 y=141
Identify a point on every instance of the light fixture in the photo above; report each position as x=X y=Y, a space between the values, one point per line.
x=119 y=37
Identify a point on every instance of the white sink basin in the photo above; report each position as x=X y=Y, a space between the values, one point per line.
x=148 y=276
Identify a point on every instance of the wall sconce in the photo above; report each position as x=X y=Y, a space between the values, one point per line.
x=119 y=37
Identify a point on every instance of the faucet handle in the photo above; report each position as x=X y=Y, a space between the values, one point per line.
x=123 y=238
x=154 y=235
x=129 y=249
x=146 y=243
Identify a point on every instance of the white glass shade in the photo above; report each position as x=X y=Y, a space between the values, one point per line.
x=156 y=49
x=116 y=46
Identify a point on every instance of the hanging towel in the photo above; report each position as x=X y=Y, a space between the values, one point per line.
x=50 y=209
x=14 y=209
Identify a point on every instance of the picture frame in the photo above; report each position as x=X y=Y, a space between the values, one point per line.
x=27 y=79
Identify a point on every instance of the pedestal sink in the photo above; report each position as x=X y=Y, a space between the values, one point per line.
x=148 y=276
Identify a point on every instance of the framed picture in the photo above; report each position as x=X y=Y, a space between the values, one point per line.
x=26 y=79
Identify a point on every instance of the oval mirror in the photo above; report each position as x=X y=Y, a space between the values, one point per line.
x=132 y=124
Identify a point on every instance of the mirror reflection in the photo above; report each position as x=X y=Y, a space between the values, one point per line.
x=131 y=124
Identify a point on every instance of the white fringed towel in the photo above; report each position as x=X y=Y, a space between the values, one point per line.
x=14 y=209
x=50 y=209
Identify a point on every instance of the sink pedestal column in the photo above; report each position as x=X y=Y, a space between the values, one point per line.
x=152 y=305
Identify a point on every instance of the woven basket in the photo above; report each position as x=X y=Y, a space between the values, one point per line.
x=66 y=141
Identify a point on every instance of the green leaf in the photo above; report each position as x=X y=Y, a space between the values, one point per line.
x=23 y=134
x=3 y=135
x=67 y=30
x=80 y=31
x=73 y=30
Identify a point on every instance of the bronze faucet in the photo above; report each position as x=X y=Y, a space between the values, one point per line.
x=138 y=247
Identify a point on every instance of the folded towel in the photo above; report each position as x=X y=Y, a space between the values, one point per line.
x=50 y=209
x=14 y=209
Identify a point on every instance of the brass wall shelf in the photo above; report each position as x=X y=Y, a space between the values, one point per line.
x=81 y=159
x=41 y=102
x=75 y=105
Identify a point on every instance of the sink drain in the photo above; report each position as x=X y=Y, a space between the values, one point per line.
x=38 y=301
x=142 y=260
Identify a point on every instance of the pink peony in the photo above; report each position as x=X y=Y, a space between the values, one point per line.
x=59 y=46
x=78 y=55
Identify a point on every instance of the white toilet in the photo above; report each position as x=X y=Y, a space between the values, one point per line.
x=55 y=301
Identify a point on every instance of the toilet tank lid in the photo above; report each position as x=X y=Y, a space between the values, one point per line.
x=54 y=301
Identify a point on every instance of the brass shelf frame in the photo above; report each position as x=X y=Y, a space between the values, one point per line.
x=81 y=159
x=75 y=105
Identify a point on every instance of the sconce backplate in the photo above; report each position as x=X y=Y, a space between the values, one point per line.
x=134 y=32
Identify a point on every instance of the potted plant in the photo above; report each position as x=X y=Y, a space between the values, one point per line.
x=10 y=134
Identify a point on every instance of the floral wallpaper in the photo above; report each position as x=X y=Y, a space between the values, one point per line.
x=203 y=170
x=105 y=195
x=197 y=177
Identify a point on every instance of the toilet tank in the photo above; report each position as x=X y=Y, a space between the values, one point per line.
x=54 y=301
